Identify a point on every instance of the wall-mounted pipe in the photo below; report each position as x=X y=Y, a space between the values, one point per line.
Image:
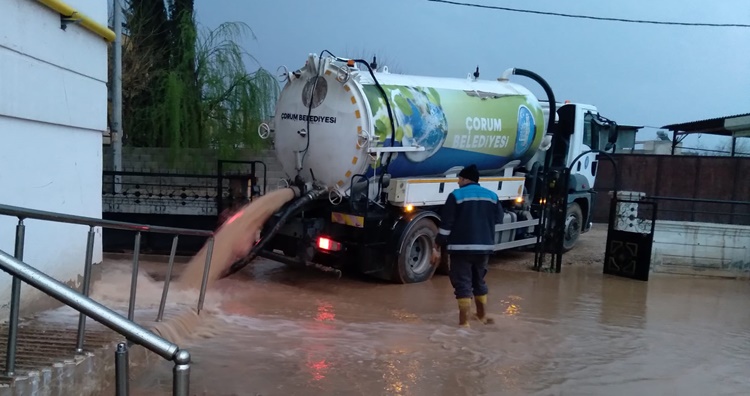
x=69 y=12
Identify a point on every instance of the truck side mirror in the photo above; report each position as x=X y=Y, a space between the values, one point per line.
x=600 y=124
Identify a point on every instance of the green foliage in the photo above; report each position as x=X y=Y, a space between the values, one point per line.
x=234 y=101
x=190 y=88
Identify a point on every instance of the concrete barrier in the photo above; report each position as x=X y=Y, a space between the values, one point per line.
x=689 y=248
x=701 y=248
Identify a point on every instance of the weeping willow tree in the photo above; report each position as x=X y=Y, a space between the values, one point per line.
x=235 y=102
x=191 y=88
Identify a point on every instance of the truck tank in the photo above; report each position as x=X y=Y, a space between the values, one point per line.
x=330 y=114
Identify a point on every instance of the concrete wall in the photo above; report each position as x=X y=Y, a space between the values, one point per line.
x=53 y=110
x=690 y=248
x=701 y=248
x=141 y=192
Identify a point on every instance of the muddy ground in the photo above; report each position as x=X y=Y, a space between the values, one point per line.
x=588 y=252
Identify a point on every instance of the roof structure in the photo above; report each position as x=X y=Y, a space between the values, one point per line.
x=731 y=126
x=635 y=128
x=735 y=126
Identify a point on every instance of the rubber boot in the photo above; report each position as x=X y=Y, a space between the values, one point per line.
x=464 y=309
x=481 y=302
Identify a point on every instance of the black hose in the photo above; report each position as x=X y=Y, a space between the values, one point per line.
x=552 y=106
x=390 y=118
x=289 y=211
x=309 y=105
x=535 y=180
x=538 y=254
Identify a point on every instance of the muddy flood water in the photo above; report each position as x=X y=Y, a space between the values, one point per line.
x=278 y=331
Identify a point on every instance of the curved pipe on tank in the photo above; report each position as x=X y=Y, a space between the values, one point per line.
x=290 y=210
x=547 y=90
x=550 y=97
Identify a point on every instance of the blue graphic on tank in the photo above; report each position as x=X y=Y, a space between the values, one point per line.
x=526 y=131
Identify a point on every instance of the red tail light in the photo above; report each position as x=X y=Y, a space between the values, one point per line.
x=327 y=244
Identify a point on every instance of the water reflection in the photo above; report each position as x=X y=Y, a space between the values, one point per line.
x=623 y=302
x=325 y=312
x=401 y=373
x=578 y=332
x=316 y=363
x=512 y=305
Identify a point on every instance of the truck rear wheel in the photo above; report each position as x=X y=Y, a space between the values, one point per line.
x=413 y=263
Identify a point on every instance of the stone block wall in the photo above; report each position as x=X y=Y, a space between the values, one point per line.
x=202 y=161
x=186 y=184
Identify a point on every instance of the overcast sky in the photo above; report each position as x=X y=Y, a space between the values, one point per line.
x=635 y=74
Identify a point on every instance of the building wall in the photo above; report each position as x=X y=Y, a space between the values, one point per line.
x=53 y=110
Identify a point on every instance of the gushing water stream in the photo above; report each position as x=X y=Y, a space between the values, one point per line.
x=234 y=239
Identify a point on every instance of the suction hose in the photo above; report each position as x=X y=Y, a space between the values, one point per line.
x=551 y=129
x=298 y=204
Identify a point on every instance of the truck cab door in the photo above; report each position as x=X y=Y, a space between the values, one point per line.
x=578 y=120
x=589 y=163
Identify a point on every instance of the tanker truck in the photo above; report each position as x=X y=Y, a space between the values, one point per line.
x=374 y=155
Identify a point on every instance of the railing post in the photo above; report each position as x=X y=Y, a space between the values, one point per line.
x=134 y=279
x=206 y=270
x=181 y=374
x=164 y=291
x=134 y=332
x=85 y=287
x=122 y=379
x=15 y=302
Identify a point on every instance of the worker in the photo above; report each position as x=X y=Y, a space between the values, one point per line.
x=467 y=231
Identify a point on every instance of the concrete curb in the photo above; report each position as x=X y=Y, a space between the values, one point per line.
x=94 y=373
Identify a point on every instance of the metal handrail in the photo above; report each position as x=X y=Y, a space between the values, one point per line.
x=25 y=213
x=107 y=317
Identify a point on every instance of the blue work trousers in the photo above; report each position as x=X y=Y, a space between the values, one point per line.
x=467 y=272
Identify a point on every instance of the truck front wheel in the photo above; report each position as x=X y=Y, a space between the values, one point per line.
x=413 y=263
x=573 y=226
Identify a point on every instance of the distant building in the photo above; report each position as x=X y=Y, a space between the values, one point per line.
x=657 y=147
x=625 y=138
x=53 y=111
x=734 y=127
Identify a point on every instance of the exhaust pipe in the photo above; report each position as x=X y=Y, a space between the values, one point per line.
x=292 y=209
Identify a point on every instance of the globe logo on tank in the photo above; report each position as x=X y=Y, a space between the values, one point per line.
x=525 y=132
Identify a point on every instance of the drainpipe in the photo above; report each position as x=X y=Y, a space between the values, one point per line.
x=117 y=95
